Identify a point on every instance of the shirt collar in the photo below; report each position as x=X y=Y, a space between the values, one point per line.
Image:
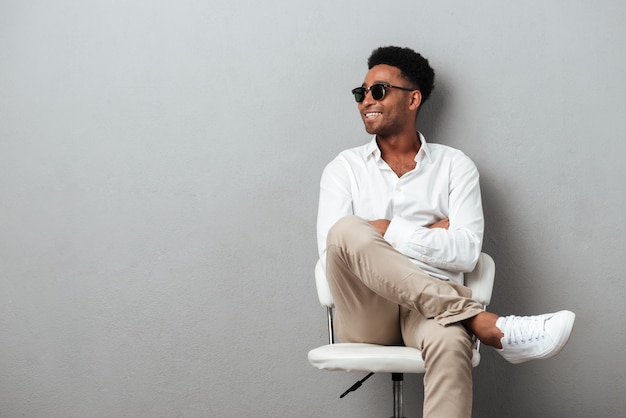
x=423 y=148
x=373 y=150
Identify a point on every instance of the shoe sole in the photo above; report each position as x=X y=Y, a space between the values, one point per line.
x=568 y=319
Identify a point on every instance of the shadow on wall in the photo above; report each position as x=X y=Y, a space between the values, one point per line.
x=432 y=117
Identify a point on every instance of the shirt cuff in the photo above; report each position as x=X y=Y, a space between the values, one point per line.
x=399 y=233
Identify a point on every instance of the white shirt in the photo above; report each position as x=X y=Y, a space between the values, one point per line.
x=444 y=184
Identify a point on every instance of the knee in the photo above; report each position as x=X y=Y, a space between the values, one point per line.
x=345 y=229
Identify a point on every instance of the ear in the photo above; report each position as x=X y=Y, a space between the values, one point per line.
x=416 y=100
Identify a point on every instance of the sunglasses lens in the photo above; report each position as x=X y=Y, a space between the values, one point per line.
x=378 y=91
x=359 y=94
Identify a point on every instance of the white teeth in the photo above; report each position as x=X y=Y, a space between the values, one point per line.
x=372 y=115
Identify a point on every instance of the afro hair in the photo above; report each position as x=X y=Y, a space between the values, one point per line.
x=413 y=66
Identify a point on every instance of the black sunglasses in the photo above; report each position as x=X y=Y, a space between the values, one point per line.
x=377 y=90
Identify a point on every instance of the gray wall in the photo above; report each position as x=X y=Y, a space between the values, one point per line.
x=159 y=168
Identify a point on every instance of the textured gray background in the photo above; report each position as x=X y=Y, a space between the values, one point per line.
x=159 y=169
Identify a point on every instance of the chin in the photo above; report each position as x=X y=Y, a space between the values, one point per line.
x=371 y=129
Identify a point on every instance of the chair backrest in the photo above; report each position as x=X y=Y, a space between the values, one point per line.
x=480 y=280
x=323 y=291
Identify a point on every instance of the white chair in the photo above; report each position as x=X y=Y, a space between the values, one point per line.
x=372 y=358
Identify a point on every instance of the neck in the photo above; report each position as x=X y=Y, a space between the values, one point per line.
x=399 y=145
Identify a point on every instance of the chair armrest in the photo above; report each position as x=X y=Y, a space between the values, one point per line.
x=323 y=291
x=481 y=279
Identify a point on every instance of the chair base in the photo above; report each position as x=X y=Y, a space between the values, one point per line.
x=398 y=392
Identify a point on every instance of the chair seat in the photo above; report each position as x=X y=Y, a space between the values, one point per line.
x=359 y=357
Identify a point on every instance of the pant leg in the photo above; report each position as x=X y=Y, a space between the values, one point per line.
x=447 y=353
x=361 y=315
x=356 y=252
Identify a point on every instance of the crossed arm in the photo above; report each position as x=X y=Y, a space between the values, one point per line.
x=382 y=224
x=452 y=243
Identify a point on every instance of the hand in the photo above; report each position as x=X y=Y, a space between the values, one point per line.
x=444 y=223
x=381 y=225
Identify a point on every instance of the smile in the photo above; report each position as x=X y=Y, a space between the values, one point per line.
x=371 y=115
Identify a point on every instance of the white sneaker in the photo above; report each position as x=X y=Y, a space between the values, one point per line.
x=534 y=337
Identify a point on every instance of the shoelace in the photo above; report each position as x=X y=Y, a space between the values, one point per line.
x=520 y=329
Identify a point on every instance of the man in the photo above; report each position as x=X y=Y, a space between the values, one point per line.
x=400 y=220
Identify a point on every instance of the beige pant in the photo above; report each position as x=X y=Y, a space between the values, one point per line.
x=381 y=297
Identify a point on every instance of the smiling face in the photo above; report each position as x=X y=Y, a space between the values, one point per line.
x=395 y=113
